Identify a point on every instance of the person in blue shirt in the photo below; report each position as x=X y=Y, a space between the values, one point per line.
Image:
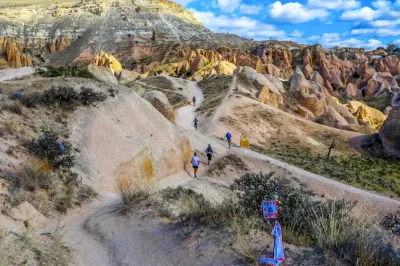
x=194 y=100
x=195 y=163
x=229 y=138
x=209 y=151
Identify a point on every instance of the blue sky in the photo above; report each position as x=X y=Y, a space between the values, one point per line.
x=351 y=23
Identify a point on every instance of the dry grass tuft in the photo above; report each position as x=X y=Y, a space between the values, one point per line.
x=15 y=107
x=132 y=192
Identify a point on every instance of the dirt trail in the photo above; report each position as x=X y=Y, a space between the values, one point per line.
x=7 y=74
x=88 y=248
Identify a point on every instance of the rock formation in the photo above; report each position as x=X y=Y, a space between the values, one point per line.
x=390 y=132
x=108 y=61
x=161 y=103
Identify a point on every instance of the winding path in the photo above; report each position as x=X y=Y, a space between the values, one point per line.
x=89 y=249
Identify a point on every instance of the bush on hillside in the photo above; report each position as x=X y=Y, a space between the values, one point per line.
x=70 y=71
x=47 y=148
x=64 y=97
x=326 y=224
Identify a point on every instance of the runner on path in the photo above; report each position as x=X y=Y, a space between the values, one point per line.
x=194 y=101
x=195 y=164
x=229 y=138
x=195 y=121
x=209 y=152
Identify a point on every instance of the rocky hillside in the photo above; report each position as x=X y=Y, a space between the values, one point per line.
x=33 y=31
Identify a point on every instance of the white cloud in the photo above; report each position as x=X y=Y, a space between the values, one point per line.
x=297 y=33
x=385 y=23
x=250 y=10
x=335 y=4
x=363 y=14
x=382 y=5
x=242 y=26
x=397 y=3
x=314 y=38
x=380 y=32
x=228 y=6
x=330 y=40
x=294 y=12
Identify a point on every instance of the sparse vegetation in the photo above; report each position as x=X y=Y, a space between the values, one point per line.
x=130 y=192
x=47 y=148
x=15 y=108
x=391 y=222
x=379 y=103
x=306 y=220
x=215 y=90
x=63 y=97
x=66 y=72
x=229 y=160
x=361 y=170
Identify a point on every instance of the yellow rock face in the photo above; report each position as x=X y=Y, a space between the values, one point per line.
x=108 y=61
x=363 y=112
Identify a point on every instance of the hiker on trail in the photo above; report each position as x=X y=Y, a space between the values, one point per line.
x=209 y=152
x=195 y=164
x=229 y=138
x=62 y=148
x=195 y=121
x=194 y=100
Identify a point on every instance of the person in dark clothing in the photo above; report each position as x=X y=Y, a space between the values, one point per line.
x=209 y=151
x=194 y=100
x=195 y=121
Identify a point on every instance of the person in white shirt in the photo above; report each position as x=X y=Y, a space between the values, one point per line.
x=195 y=164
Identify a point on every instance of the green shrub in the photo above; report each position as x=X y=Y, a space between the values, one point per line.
x=326 y=225
x=47 y=148
x=87 y=96
x=63 y=97
x=70 y=71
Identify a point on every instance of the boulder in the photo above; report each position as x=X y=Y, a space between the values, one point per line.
x=352 y=91
x=262 y=81
x=396 y=99
x=316 y=77
x=103 y=74
x=277 y=83
x=264 y=96
x=161 y=103
x=7 y=224
x=198 y=63
x=126 y=76
x=387 y=110
x=304 y=112
x=28 y=215
x=363 y=112
x=308 y=94
x=372 y=87
x=390 y=132
x=334 y=117
x=273 y=70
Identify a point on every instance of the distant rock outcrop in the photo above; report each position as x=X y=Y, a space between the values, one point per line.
x=108 y=61
x=390 y=132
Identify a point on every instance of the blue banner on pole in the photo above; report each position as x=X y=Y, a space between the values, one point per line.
x=278 y=245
